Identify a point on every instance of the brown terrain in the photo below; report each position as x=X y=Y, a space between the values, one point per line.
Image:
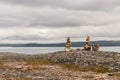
x=39 y=67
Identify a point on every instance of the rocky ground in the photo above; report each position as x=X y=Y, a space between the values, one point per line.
x=76 y=65
x=111 y=60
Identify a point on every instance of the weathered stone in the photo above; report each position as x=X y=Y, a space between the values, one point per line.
x=87 y=45
x=68 y=45
x=111 y=74
x=95 y=47
x=28 y=67
x=78 y=49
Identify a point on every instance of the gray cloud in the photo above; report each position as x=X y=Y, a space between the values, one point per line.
x=54 y=20
x=68 y=4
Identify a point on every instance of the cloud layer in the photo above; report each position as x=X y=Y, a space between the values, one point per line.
x=54 y=20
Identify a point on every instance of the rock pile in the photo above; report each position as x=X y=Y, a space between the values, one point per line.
x=87 y=45
x=68 y=45
x=95 y=47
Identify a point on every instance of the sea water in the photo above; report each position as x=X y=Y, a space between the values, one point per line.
x=40 y=50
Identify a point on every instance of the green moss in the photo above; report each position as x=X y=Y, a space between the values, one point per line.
x=74 y=67
x=69 y=66
x=39 y=62
x=100 y=69
x=23 y=79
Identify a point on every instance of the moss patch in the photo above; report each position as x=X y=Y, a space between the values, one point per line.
x=22 y=79
x=99 y=69
x=39 y=62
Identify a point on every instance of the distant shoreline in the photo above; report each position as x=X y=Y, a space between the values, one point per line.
x=74 y=44
x=44 y=50
x=53 y=46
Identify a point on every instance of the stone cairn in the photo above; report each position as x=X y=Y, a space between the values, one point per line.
x=68 y=45
x=95 y=47
x=87 y=45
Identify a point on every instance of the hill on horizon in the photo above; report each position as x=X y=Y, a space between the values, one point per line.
x=74 y=44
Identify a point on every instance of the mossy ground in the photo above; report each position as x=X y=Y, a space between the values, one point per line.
x=39 y=62
x=98 y=69
x=22 y=79
x=71 y=68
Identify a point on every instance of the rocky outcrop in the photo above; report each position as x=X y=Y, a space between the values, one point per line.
x=110 y=60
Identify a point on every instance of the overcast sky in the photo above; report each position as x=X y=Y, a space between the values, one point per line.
x=49 y=21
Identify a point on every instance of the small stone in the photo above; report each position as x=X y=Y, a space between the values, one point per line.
x=101 y=78
x=78 y=49
x=28 y=67
x=96 y=47
x=111 y=74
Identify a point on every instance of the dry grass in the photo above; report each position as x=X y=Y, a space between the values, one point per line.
x=88 y=76
x=117 y=74
x=73 y=67
x=1 y=63
x=39 y=62
x=98 y=69
x=23 y=79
